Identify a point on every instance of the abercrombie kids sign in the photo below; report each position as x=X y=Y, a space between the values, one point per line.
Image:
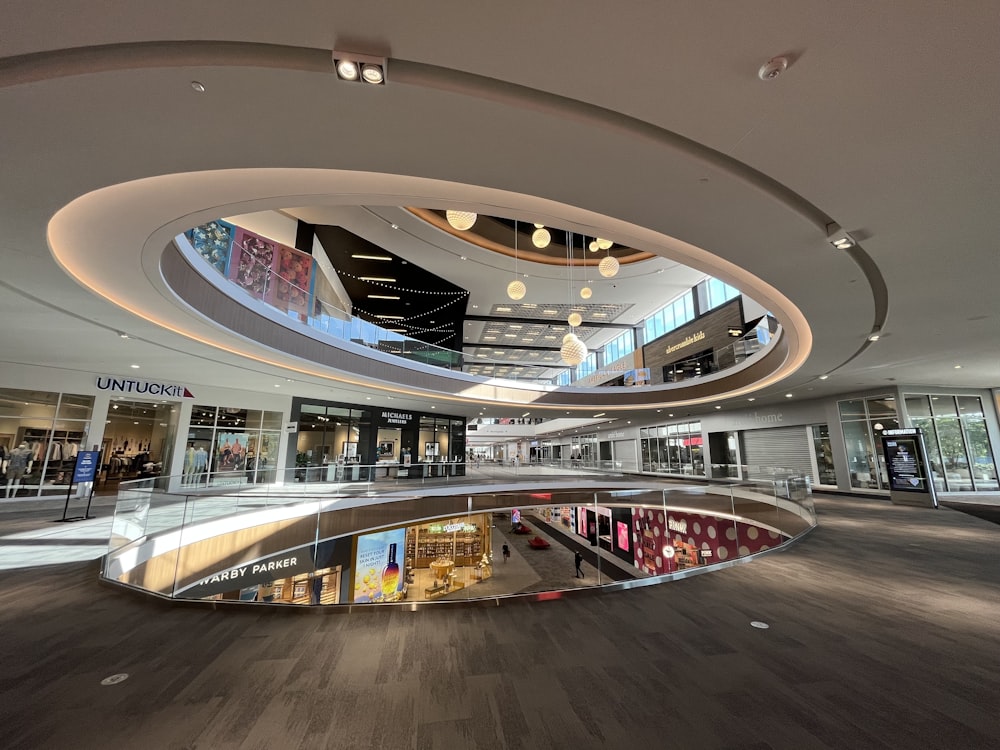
x=142 y=387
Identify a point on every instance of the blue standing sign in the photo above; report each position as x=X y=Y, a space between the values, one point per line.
x=86 y=466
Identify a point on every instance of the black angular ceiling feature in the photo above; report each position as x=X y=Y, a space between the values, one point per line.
x=393 y=293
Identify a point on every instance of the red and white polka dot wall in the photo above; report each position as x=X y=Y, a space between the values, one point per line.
x=665 y=543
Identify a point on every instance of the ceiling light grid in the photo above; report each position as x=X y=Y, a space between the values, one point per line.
x=610 y=312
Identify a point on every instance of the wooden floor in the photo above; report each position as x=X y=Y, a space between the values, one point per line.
x=884 y=633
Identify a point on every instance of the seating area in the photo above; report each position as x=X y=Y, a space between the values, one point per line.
x=538 y=543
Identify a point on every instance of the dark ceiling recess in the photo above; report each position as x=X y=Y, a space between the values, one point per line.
x=428 y=308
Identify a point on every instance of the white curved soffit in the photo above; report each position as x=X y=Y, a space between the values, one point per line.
x=122 y=266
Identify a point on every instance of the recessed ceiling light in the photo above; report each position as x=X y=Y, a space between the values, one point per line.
x=389 y=317
x=372 y=73
x=122 y=335
x=475 y=307
x=823 y=377
x=670 y=415
x=368 y=398
x=873 y=337
x=377 y=278
x=198 y=86
x=958 y=367
x=462 y=257
x=277 y=386
x=363 y=256
x=134 y=367
x=382 y=296
x=751 y=399
x=788 y=395
x=599 y=415
x=718 y=407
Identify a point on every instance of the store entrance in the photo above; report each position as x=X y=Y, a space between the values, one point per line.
x=138 y=439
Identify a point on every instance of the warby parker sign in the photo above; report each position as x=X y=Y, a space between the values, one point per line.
x=144 y=387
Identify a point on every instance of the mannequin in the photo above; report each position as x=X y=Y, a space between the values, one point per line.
x=20 y=458
x=189 y=464
x=200 y=462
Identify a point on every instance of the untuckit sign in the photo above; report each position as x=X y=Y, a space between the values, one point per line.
x=142 y=387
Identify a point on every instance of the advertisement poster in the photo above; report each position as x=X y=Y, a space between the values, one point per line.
x=252 y=263
x=231 y=451
x=378 y=576
x=622 y=530
x=213 y=242
x=289 y=290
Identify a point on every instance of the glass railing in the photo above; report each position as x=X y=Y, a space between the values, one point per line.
x=257 y=277
x=274 y=545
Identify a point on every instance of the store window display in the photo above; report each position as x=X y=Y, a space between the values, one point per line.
x=231 y=444
x=53 y=427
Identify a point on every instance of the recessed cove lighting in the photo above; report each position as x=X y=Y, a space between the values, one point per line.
x=363 y=256
x=377 y=278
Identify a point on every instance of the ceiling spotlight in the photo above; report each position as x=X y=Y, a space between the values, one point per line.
x=574 y=319
x=586 y=292
x=122 y=335
x=198 y=86
x=873 y=337
x=516 y=289
x=541 y=238
x=718 y=407
x=347 y=70
x=355 y=68
x=823 y=377
x=608 y=267
x=373 y=74
x=839 y=238
x=461 y=220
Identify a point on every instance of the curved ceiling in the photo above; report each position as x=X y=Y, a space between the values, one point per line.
x=689 y=144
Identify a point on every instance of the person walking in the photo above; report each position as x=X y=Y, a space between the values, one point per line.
x=578 y=559
x=506 y=553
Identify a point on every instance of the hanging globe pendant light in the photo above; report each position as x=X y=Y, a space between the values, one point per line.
x=586 y=292
x=573 y=351
x=608 y=267
x=516 y=289
x=541 y=238
x=574 y=319
x=461 y=220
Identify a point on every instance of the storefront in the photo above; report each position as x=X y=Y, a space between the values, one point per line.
x=346 y=442
x=41 y=433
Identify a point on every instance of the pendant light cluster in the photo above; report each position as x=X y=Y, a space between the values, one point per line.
x=573 y=351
